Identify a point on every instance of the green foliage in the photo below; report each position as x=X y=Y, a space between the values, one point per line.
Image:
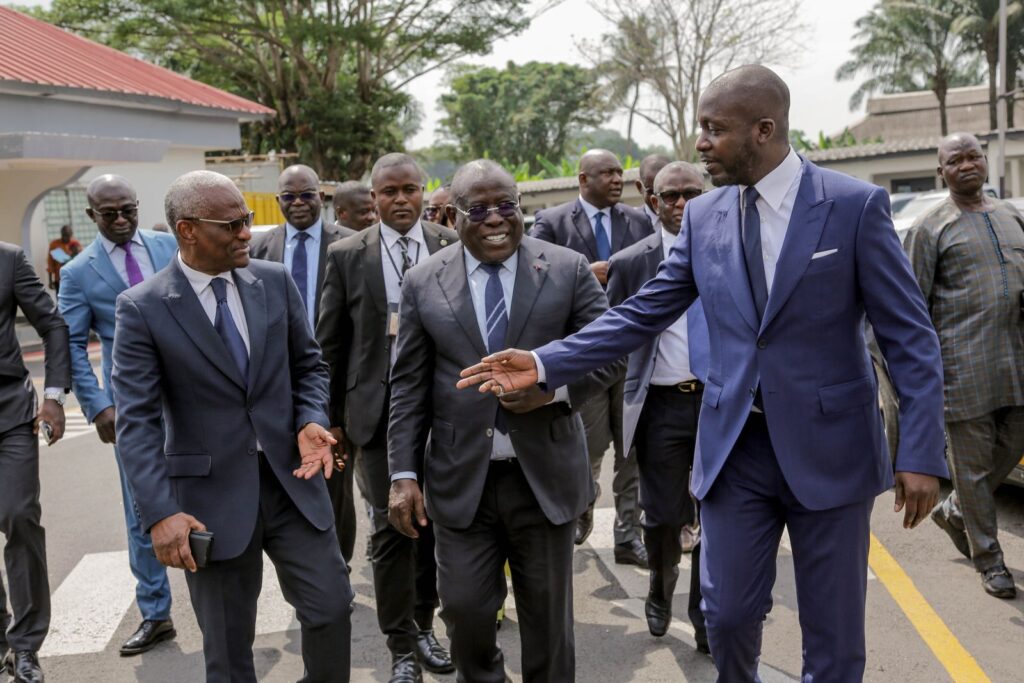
x=802 y=143
x=521 y=113
x=334 y=70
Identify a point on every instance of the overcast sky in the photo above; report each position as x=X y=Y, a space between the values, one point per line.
x=819 y=102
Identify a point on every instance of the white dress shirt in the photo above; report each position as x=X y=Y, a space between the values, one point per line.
x=672 y=362
x=201 y=284
x=117 y=255
x=312 y=244
x=653 y=217
x=391 y=262
x=777 y=192
x=592 y=212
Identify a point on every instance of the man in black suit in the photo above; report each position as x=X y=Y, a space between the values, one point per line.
x=357 y=328
x=301 y=245
x=222 y=425
x=504 y=481
x=597 y=225
x=21 y=418
x=661 y=403
x=353 y=206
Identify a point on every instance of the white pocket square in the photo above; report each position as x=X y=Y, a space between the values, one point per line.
x=820 y=254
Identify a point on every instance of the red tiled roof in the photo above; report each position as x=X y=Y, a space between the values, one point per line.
x=34 y=52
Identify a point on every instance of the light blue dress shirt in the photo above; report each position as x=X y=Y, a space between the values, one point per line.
x=592 y=212
x=291 y=243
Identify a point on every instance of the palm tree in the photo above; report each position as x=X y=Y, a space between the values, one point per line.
x=908 y=46
x=977 y=21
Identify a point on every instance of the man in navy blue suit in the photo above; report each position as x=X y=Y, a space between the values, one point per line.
x=788 y=266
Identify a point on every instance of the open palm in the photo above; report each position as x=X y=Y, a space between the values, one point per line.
x=500 y=372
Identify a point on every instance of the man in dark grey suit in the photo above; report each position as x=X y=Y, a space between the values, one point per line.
x=597 y=225
x=661 y=403
x=216 y=351
x=301 y=245
x=503 y=481
x=20 y=422
x=358 y=321
x=353 y=206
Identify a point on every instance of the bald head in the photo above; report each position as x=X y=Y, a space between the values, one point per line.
x=683 y=170
x=964 y=168
x=600 y=177
x=649 y=167
x=299 y=196
x=353 y=205
x=113 y=207
x=675 y=184
x=478 y=172
x=757 y=92
x=191 y=195
x=107 y=183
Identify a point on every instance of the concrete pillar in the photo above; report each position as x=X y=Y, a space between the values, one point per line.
x=21 y=190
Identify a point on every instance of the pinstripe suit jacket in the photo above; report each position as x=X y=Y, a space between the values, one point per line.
x=971 y=272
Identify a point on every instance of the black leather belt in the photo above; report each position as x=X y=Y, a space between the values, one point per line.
x=693 y=386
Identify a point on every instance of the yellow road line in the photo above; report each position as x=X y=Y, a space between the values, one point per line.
x=957 y=661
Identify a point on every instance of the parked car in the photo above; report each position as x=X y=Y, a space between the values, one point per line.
x=918 y=205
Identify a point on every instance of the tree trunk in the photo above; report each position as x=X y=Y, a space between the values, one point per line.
x=1011 y=84
x=993 y=92
x=940 y=91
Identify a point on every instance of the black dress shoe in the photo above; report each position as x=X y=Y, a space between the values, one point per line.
x=584 y=525
x=998 y=582
x=701 y=636
x=658 y=617
x=405 y=669
x=631 y=552
x=23 y=667
x=149 y=633
x=958 y=536
x=432 y=655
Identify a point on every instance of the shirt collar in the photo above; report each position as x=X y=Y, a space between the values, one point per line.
x=198 y=280
x=667 y=240
x=391 y=236
x=655 y=221
x=110 y=246
x=590 y=209
x=314 y=231
x=510 y=264
x=774 y=187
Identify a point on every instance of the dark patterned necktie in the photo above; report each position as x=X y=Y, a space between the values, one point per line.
x=497 y=323
x=752 y=250
x=226 y=327
x=403 y=244
x=300 y=264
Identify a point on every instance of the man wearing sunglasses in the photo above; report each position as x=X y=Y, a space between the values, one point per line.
x=598 y=225
x=434 y=211
x=663 y=389
x=357 y=330
x=505 y=477
x=120 y=257
x=650 y=165
x=222 y=425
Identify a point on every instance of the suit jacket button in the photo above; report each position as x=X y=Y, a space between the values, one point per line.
x=489 y=432
x=762 y=343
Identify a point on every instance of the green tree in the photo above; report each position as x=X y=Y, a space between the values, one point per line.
x=520 y=113
x=978 y=22
x=908 y=46
x=334 y=70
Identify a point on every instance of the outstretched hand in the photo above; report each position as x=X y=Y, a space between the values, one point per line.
x=315 y=450
x=501 y=372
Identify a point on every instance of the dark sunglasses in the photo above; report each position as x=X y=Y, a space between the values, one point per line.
x=234 y=227
x=671 y=196
x=478 y=214
x=128 y=212
x=289 y=197
x=432 y=210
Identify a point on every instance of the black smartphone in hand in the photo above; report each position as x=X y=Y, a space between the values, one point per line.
x=199 y=543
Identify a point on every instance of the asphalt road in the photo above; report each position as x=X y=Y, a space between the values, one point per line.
x=928 y=618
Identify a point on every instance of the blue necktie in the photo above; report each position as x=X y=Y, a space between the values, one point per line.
x=604 y=248
x=752 y=250
x=497 y=322
x=225 y=325
x=299 y=264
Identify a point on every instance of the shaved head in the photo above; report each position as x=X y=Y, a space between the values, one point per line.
x=106 y=183
x=964 y=169
x=595 y=159
x=299 y=172
x=957 y=141
x=757 y=92
x=476 y=172
x=600 y=178
x=678 y=169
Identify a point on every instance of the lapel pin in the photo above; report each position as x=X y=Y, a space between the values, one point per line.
x=444 y=242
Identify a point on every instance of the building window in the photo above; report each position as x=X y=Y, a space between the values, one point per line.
x=919 y=184
x=67 y=206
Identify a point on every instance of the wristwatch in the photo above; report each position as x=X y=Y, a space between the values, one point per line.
x=57 y=395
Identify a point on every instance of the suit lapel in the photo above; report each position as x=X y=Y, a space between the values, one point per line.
x=104 y=267
x=620 y=228
x=654 y=259
x=432 y=236
x=184 y=305
x=739 y=284
x=810 y=211
x=254 y=303
x=585 y=230
x=455 y=286
x=373 y=274
x=531 y=272
x=275 y=244
x=328 y=236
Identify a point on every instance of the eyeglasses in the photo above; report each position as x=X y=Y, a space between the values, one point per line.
x=671 y=196
x=432 y=210
x=289 y=197
x=109 y=216
x=478 y=214
x=234 y=227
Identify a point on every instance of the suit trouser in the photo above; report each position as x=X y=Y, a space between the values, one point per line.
x=742 y=518
x=314 y=580
x=404 y=580
x=982 y=452
x=509 y=526
x=339 y=486
x=25 y=546
x=152 y=589
x=602 y=422
x=666 y=437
